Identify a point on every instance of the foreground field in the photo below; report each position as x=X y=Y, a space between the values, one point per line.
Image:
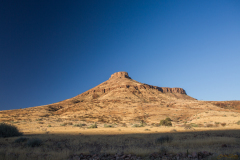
x=142 y=143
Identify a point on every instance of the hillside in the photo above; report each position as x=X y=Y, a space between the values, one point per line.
x=122 y=100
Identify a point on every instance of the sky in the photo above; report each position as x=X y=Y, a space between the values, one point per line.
x=54 y=50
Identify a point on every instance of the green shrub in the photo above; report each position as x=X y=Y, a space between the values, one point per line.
x=238 y=122
x=21 y=139
x=142 y=123
x=34 y=142
x=168 y=119
x=7 y=130
x=194 y=125
x=166 y=122
x=164 y=139
x=93 y=126
x=49 y=125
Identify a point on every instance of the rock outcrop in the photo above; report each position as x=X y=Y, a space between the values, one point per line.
x=120 y=75
x=124 y=77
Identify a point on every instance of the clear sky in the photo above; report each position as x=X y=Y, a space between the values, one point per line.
x=54 y=50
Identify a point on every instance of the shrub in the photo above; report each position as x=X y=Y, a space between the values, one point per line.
x=168 y=119
x=124 y=125
x=34 y=142
x=93 y=126
x=78 y=125
x=193 y=125
x=142 y=123
x=223 y=124
x=238 y=122
x=138 y=125
x=166 y=122
x=49 y=125
x=64 y=124
x=209 y=125
x=75 y=101
x=21 y=139
x=187 y=126
x=164 y=139
x=95 y=96
x=7 y=130
x=45 y=115
x=108 y=126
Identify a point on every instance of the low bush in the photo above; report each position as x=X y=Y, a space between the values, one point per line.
x=7 y=130
x=95 y=96
x=93 y=126
x=166 y=122
x=78 y=125
x=137 y=125
x=187 y=126
x=108 y=126
x=75 y=101
x=124 y=125
x=209 y=125
x=238 y=122
x=164 y=139
x=21 y=139
x=194 y=125
x=34 y=142
x=223 y=124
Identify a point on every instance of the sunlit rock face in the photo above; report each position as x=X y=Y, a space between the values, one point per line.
x=120 y=75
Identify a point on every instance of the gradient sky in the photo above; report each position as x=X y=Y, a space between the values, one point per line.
x=54 y=50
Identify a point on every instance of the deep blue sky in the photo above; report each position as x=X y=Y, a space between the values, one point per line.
x=55 y=50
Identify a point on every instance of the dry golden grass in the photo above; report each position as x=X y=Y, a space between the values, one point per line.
x=60 y=146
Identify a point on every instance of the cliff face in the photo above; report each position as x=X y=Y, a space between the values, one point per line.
x=122 y=80
x=119 y=75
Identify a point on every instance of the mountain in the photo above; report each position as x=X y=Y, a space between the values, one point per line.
x=123 y=100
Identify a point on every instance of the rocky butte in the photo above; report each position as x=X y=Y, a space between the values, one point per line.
x=122 y=80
